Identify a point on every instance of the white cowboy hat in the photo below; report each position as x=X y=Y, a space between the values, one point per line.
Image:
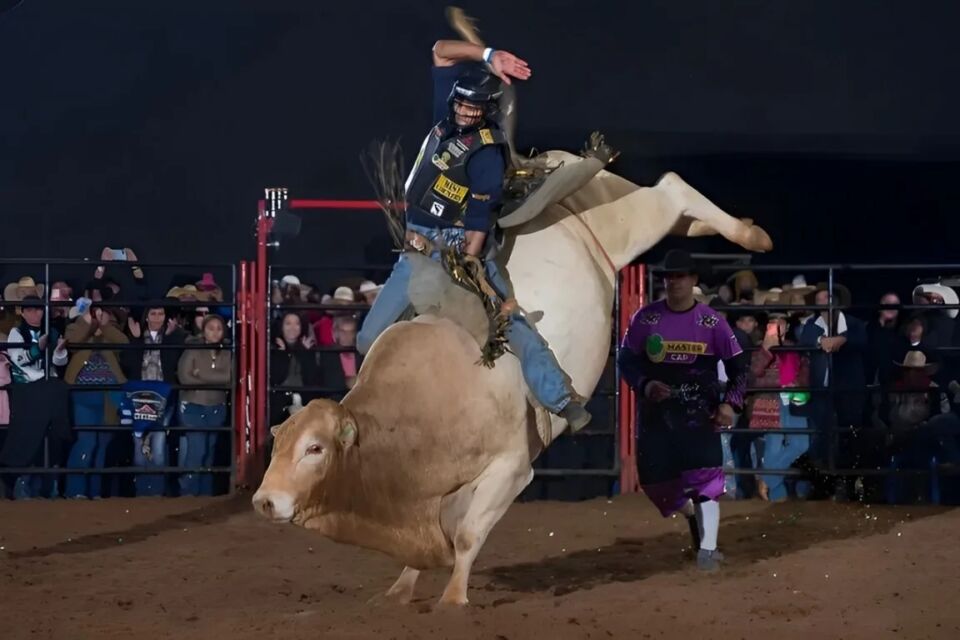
x=25 y=286
x=368 y=286
x=344 y=293
x=916 y=360
x=949 y=295
x=766 y=296
x=799 y=285
x=700 y=296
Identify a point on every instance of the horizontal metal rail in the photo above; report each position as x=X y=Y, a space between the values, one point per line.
x=112 y=470
x=129 y=429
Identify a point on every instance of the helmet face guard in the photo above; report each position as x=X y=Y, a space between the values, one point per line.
x=482 y=110
x=479 y=91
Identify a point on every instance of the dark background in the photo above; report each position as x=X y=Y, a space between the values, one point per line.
x=156 y=125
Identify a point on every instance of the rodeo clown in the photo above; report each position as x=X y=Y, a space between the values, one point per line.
x=453 y=196
x=669 y=355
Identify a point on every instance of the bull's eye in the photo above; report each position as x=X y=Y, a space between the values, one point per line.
x=314 y=449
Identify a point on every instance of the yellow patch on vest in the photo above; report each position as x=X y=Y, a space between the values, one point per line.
x=450 y=189
x=486 y=136
x=678 y=346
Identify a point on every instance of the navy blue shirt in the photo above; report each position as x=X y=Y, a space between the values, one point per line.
x=485 y=169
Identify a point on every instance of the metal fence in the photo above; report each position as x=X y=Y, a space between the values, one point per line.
x=831 y=433
x=48 y=272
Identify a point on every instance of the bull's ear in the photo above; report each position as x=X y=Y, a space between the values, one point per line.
x=347 y=434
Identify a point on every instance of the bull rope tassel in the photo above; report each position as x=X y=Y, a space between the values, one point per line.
x=383 y=164
x=468 y=272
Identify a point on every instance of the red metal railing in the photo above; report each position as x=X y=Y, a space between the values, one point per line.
x=633 y=280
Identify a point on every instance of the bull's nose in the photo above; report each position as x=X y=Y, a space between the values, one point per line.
x=263 y=504
x=276 y=505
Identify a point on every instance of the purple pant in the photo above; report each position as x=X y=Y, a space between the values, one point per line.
x=677 y=464
x=670 y=496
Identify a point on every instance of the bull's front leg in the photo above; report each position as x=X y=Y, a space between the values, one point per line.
x=402 y=589
x=498 y=486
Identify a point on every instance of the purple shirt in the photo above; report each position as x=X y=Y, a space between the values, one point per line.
x=682 y=351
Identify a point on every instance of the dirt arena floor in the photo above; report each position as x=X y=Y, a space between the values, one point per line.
x=211 y=569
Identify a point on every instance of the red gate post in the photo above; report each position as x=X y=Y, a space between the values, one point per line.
x=259 y=335
x=632 y=290
x=240 y=390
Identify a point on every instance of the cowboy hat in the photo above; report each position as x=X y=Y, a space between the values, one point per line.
x=289 y=280
x=772 y=298
x=369 y=286
x=25 y=286
x=799 y=285
x=763 y=296
x=209 y=285
x=917 y=360
x=949 y=295
x=344 y=293
x=188 y=293
x=701 y=296
x=679 y=261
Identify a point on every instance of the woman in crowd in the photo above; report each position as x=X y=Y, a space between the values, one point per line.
x=92 y=408
x=292 y=364
x=781 y=410
x=203 y=408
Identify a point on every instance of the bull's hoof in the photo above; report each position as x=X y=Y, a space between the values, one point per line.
x=453 y=601
x=756 y=239
x=398 y=596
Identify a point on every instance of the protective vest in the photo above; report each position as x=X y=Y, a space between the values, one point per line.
x=438 y=186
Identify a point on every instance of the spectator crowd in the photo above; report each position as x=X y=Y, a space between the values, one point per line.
x=115 y=378
x=847 y=390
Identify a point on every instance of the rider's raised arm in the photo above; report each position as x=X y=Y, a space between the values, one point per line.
x=447 y=53
x=503 y=64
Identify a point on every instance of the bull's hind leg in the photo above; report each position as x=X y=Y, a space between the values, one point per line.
x=402 y=589
x=496 y=488
x=695 y=205
x=692 y=228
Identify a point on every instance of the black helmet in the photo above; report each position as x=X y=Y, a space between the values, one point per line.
x=477 y=88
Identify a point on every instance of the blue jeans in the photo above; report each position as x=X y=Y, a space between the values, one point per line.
x=32 y=486
x=90 y=449
x=147 y=484
x=547 y=381
x=781 y=450
x=197 y=448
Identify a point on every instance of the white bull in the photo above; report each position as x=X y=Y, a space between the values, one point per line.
x=427 y=452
